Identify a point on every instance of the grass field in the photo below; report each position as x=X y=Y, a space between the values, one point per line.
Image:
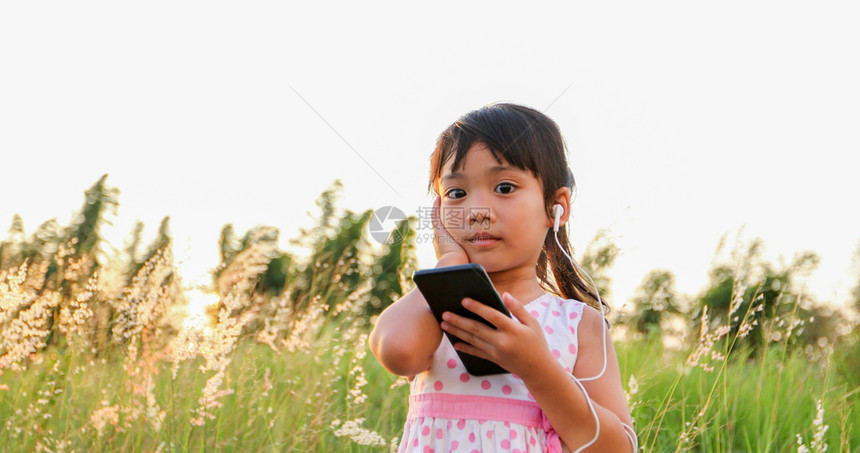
x=106 y=367
x=329 y=394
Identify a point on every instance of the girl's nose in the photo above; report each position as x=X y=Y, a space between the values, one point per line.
x=479 y=214
x=479 y=209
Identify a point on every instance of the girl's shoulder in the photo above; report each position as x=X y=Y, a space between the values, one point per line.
x=588 y=319
x=572 y=307
x=592 y=331
x=587 y=314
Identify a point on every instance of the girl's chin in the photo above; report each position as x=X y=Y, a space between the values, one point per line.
x=488 y=266
x=494 y=264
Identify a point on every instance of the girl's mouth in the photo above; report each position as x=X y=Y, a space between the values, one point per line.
x=483 y=240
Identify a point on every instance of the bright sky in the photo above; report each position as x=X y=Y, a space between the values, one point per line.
x=685 y=120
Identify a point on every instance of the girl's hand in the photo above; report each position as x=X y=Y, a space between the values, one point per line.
x=444 y=243
x=518 y=345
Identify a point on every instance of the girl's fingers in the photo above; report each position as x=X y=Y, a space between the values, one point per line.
x=517 y=309
x=466 y=329
x=471 y=343
x=443 y=241
x=495 y=317
x=469 y=349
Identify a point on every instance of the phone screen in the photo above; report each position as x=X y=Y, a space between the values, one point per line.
x=444 y=289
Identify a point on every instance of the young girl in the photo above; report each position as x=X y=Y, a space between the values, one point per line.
x=498 y=173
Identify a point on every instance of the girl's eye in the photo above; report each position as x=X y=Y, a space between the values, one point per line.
x=448 y=193
x=507 y=185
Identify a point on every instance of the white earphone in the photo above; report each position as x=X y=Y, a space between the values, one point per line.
x=557 y=212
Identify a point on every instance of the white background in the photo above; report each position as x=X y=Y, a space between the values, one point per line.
x=685 y=120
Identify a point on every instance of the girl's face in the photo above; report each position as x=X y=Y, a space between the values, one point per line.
x=497 y=200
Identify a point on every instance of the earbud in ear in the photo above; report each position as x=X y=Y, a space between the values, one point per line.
x=557 y=211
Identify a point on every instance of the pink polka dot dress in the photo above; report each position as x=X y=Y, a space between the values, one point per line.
x=453 y=411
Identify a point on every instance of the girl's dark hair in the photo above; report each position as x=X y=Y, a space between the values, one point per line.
x=528 y=140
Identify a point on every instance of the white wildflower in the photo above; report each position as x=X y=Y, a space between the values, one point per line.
x=359 y=435
x=817 y=445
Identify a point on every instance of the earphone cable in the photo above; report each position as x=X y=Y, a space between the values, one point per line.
x=599 y=303
x=634 y=440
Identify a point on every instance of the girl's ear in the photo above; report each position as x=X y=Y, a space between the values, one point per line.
x=562 y=197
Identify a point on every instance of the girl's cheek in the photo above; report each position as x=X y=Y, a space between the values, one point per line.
x=453 y=228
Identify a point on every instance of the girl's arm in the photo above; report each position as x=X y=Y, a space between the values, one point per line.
x=520 y=347
x=406 y=334
x=565 y=404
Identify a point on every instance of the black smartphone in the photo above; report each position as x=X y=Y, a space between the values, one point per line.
x=444 y=289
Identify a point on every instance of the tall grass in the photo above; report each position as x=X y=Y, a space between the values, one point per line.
x=307 y=400
x=306 y=382
x=757 y=405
